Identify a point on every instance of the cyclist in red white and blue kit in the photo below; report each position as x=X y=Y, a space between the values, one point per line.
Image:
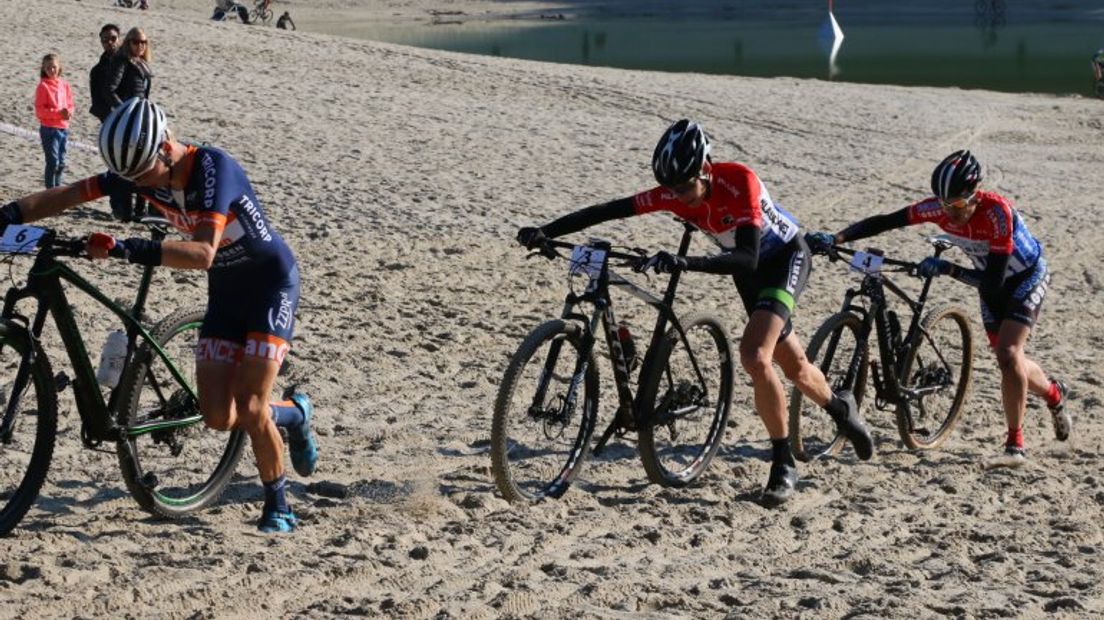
x=1010 y=273
x=761 y=248
x=253 y=280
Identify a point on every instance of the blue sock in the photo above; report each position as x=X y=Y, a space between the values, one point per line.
x=275 y=499
x=286 y=415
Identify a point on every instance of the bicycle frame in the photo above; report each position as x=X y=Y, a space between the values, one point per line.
x=44 y=284
x=603 y=317
x=873 y=286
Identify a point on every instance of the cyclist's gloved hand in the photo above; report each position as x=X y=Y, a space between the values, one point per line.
x=820 y=241
x=932 y=266
x=102 y=245
x=530 y=237
x=10 y=214
x=664 y=262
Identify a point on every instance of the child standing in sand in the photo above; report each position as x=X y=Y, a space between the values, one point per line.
x=54 y=108
x=1010 y=273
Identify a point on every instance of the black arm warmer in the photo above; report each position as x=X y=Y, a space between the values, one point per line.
x=743 y=259
x=589 y=216
x=992 y=279
x=874 y=225
x=143 y=251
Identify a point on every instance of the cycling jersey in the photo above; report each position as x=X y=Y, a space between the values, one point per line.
x=994 y=227
x=253 y=283
x=217 y=192
x=737 y=197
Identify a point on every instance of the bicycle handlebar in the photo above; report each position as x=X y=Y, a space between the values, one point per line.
x=834 y=252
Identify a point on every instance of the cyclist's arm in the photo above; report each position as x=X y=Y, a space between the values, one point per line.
x=589 y=216
x=50 y=202
x=744 y=258
x=199 y=253
x=874 y=225
x=991 y=281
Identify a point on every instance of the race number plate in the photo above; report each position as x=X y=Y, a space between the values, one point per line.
x=19 y=239
x=587 y=261
x=865 y=262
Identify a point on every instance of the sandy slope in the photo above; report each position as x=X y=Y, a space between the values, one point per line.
x=399 y=175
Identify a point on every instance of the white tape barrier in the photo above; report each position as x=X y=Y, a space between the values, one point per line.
x=32 y=136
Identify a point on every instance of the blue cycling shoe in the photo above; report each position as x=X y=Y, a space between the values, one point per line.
x=276 y=522
x=301 y=444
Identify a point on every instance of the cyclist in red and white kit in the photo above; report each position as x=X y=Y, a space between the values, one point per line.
x=253 y=281
x=1010 y=273
x=761 y=248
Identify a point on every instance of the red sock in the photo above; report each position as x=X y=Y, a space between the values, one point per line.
x=1053 y=396
x=1015 y=437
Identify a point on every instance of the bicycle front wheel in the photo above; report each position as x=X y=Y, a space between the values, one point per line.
x=542 y=424
x=686 y=394
x=171 y=469
x=935 y=378
x=28 y=423
x=813 y=433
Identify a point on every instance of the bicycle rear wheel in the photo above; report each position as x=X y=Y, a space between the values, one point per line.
x=684 y=411
x=26 y=436
x=813 y=433
x=175 y=470
x=937 y=373
x=542 y=425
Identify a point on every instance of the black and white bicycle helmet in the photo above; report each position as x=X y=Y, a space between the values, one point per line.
x=131 y=135
x=680 y=154
x=956 y=176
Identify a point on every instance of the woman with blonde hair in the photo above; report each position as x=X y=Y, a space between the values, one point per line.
x=129 y=75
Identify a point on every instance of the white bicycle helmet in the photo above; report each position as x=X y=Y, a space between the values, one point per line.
x=131 y=135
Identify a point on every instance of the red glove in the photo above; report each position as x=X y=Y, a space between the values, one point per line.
x=99 y=244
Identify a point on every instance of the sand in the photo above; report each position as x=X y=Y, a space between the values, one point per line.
x=399 y=177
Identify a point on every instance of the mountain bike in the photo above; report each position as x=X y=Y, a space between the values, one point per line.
x=922 y=373
x=547 y=405
x=172 y=464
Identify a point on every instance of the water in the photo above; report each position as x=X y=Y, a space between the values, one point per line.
x=1022 y=46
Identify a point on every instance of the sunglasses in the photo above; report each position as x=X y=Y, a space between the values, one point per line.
x=958 y=204
x=139 y=41
x=110 y=39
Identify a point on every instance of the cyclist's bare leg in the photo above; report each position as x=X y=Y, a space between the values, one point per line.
x=757 y=348
x=1018 y=373
x=237 y=397
x=807 y=377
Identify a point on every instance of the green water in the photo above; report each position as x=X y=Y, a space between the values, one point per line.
x=1017 y=46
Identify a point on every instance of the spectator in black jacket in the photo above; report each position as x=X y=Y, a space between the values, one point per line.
x=97 y=77
x=129 y=75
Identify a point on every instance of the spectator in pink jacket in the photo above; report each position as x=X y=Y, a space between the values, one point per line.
x=54 y=108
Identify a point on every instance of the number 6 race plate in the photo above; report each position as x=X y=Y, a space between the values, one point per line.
x=19 y=239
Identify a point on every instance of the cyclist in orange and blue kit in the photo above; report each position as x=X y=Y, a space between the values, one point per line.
x=253 y=280
x=1010 y=273
x=762 y=249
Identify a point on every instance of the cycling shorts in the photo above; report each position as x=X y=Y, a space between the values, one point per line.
x=777 y=282
x=249 y=317
x=1022 y=295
